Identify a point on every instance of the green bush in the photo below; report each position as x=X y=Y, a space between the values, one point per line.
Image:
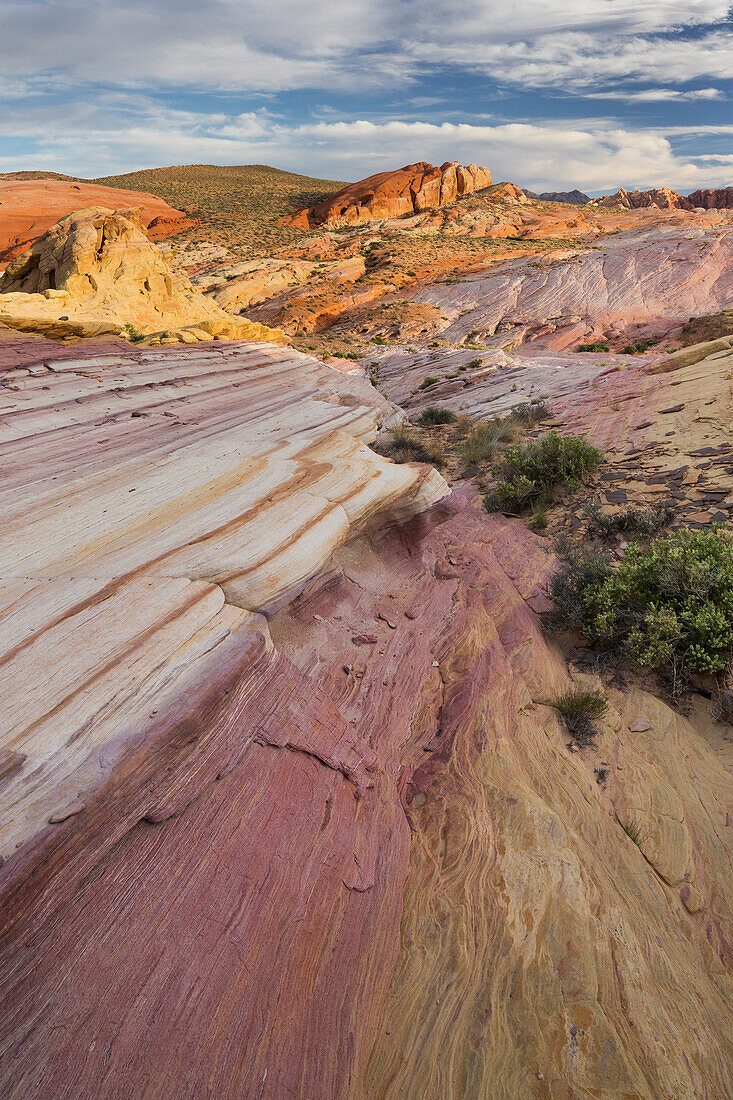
x=670 y=603
x=531 y=471
x=429 y=381
x=640 y=346
x=597 y=345
x=434 y=415
x=666 y=606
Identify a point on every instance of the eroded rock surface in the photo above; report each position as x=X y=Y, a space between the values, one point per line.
x=96 y=273
x=408 y=190
x=288 y=812
x=29 y=207
x=633 y=278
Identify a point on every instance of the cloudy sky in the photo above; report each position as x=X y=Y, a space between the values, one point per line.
x=549 y=93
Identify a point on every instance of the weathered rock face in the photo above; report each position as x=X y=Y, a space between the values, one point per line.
x=29 y=207
x=95 y=273
x=409 y=190
x=339 y=848
x=721 y=199
x=663 y=198
x=562 y=299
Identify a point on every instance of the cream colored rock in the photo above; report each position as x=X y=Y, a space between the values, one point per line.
x=96 y=273
x=141 y=491
x=246 y=284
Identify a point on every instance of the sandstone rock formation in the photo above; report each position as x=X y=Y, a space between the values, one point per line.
x=245 y=284
x=562 y=299
x=409 y=190
x=95 y=272
x=721 y=199
x=343 y=850
x=28 y=207
x=663 y=198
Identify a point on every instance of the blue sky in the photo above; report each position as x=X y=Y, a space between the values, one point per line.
x=549 y=94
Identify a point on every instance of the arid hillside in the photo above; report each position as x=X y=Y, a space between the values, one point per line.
x=238 y=206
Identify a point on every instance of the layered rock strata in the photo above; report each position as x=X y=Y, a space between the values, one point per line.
x=409 y=190
x=29 y=207
x=561 y=299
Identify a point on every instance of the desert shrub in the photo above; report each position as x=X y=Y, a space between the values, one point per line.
x=640 y=346
x=670 y=603
x=666 y=606
x=484 y=440
x=538 y=520
x=597 y=345
x=580 y=709
x=581 y=569
x=476 y=363
x=529 y=472
x=132 y=332
x=643 y=522
x=404 y=446
x=435 y=415
x=531 y=412
x=722 y=709
x=429 y=381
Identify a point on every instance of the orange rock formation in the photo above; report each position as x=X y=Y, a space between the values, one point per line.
x=409 y=190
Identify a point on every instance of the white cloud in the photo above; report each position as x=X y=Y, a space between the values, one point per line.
x=654 y=95
x=130 y=132
x=274 y=45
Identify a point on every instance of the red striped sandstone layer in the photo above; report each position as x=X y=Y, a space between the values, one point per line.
x=345 y=854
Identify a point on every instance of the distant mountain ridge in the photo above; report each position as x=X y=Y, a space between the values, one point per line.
x=579 y=198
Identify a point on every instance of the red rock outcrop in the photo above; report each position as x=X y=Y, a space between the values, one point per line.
x=721 y=199
x=409 y=190
x=663 y=198
x=28 y=207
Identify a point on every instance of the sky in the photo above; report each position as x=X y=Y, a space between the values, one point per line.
x=552 y=95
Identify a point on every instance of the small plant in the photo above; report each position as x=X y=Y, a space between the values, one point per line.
x=435 y=415
x=640 y=346
x=484 y=440
x=632 y=831
x=133 y=333
x=404 y=446
x=538 y=520
x=429 y=381
x=531 y=412
x=532 y=471
x=581 y=568
x=378 y=340
x=476 y=363
x=643 y=522
x=722 y=709
x=597 y=345
x=580 y=710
